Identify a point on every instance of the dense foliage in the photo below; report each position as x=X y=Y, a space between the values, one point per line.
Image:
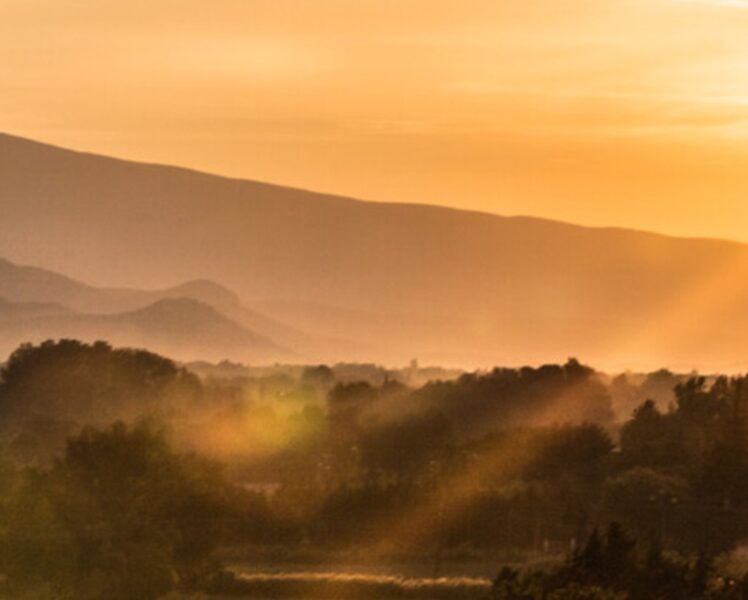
x=119 y=516
x=613 y=567
x=521 y=462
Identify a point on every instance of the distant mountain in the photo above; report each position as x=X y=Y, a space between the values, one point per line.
x=206 y=291
x=27 y=292
x=190 y=320
x=34 y=284
x=451 y=286
x=12 y=311
x=182 y=328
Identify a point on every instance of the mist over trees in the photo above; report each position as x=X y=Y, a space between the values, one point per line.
x=118 y=516
x=124 y=475
x=49 y=391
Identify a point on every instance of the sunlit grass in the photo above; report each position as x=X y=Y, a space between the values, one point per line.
x=349 y=586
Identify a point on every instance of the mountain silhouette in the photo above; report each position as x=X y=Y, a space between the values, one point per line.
x=182 y=328
x=402 y=280
x=30 y=292
x=11 y=311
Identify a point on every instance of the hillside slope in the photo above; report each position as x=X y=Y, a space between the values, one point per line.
x=405 y=280
x=184 y=329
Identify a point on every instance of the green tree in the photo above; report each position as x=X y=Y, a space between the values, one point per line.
x=119 y=517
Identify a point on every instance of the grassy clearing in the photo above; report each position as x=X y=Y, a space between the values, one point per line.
x=350 y=586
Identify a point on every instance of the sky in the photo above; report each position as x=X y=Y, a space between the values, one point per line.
x=629 y=113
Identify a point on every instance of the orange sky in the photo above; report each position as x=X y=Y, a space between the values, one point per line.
x=630 y=112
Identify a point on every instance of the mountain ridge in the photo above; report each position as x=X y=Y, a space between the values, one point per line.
x=343 y=198
x=182 y=328
x=29 y=291
x=403 y=280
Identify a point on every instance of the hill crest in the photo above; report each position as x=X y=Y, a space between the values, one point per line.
x=398 y=278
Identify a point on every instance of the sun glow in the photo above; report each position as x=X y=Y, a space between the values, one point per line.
x=517 y=108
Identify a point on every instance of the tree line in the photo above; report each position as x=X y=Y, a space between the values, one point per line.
x=124 y=475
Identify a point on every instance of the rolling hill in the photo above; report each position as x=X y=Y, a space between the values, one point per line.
x=33 y=291
x=182 y=328
x=13 y=311
x=451 y=286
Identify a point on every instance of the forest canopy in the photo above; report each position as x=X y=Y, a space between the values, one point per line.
x=126 y=475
